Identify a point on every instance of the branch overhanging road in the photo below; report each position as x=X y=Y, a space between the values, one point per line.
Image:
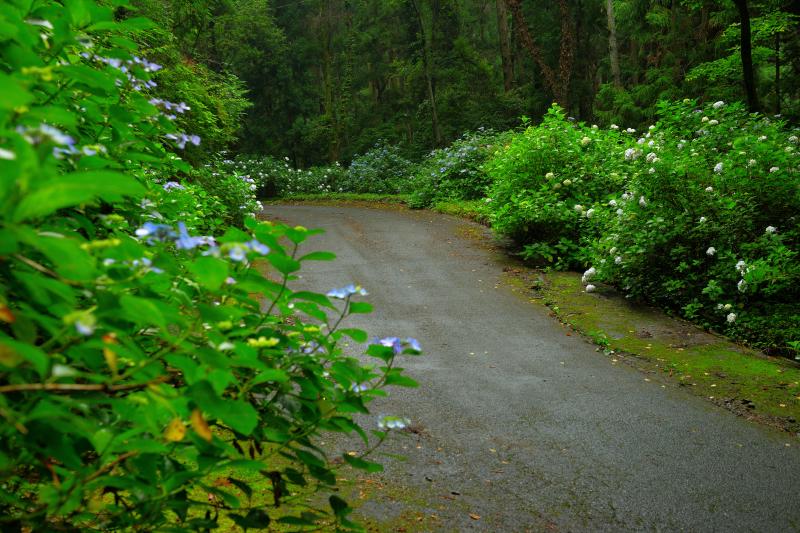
x=529 y=428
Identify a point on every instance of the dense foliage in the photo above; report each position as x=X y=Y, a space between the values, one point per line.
x=148 y=347
x=328 y=78
x=697 y=213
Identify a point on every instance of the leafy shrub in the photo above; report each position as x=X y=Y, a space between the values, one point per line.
x=544 y=179
x=455 y=172
x=708 y=221
x=137 y=362
x=381 y=170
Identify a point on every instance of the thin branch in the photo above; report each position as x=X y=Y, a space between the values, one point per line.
x=79 y=387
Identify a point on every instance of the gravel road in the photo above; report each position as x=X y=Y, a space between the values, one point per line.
x=527 y=428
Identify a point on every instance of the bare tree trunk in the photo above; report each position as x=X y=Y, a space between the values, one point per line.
x=777 y=73
x=612 y=43
x=426 y=63
x=559 y=86
x=747 y=56
x=505 y=45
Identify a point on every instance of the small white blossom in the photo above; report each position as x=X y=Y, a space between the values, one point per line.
x=651 y=170
x=620 y=212
x=718 y=168
x=613 y=250
x=642 y=201
x=751 y=162
x=585 y=141
x=728 y=307
x=773 y=169
x=612 y=203
x=731 y=318
x=630 y=130
x=793 y=139
x=762 y=138
x=589 y=213
x=703 y=219
x=590 y=288
x=640 y=141
x=704 y=119
x=741 y=266
x=718 y=104
x=711 y=251
x=7 y=154
x=578 y=208
x=618 y=260
x=567 y=183
x=549 y=175
x=709 y=189
x=771 y=229
x=713 y=122
x=614 y=127
x=589 y=274
x=651 y=157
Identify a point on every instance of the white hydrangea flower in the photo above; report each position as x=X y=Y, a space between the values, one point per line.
x=651 y=157
x=612 y=251
x=793 y=139
x=585 y=141
x=578 y=208
x=567 y=183
x=742 y=285
x=589 y=213
x=771 y=229
x=703 y=219
x=728 y=307
x=731 y=318
x=590 y=288
x=614 y=127
x=713 y=122
x=618 y=260
x=751 y=162
x=642 y=201
x=612 y=203
x=718 y=168
x=718 y=104
x=620 y=212
x=773 y=169
x=709 y=189
x=741 y=266
x=549 y=175
x=631 y=130
x=704 y=119
x=589 y=274
x=762 y=138
x=711 y=251
x=651 y=127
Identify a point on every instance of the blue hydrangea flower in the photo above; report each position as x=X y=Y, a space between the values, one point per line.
x=347 y=291
x=237 y=253
x=156 y=232
x=258 y=247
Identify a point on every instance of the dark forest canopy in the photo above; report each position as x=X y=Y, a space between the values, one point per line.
x=328 y=78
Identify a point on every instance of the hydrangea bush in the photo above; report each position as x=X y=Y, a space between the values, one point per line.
x=698 y=213
x=455 y=172
x=143 y=352
x=707 y=222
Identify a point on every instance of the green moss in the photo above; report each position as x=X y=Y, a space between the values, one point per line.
x=462 y=208
x=743 y=380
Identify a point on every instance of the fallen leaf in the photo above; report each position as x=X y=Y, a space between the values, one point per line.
x=475 y=516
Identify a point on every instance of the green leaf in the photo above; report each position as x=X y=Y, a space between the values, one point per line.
x=210 y=272
x=141 y=311
x=284 y=264
x=76 y=188
x=271 y=374
x=255 y=519
x=360 y=307
x=358 y=335
x=239 y=415
x=319 y=256
x=12 y=94
x=318 y=299
x=361 y=464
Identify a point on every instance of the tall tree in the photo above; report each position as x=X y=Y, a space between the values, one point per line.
x=428 y=44
x=557 y=83
x=747 y=56
x=612 y=43
x=503 y=34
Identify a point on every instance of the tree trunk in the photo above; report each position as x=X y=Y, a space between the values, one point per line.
x=558 y=86
x=777 y=73
x=612 y=43
x=505 y=45
x=747 y=56
x=427 y=44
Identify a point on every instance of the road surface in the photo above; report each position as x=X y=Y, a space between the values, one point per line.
x=519 y=427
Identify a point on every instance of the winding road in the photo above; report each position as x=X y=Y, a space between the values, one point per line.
x=519 y=427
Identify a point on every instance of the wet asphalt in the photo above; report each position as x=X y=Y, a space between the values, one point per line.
x=519 y=427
